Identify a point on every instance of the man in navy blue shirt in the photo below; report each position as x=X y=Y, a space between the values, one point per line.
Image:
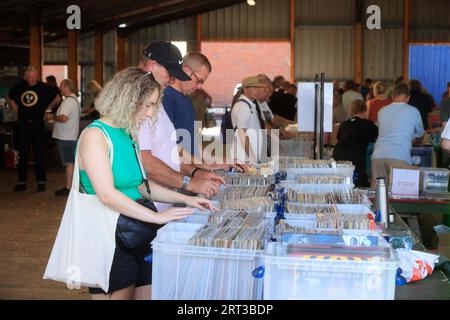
x=178 y=105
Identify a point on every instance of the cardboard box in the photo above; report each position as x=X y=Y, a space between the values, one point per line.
x=443 y=233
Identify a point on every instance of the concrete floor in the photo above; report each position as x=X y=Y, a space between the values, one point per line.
x=29 y=222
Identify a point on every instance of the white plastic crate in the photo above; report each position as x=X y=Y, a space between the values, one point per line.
x=346 y=171
x=296 y=148
x=316 y=187
x=188 y=272
x=318 y=277
x=341 y=208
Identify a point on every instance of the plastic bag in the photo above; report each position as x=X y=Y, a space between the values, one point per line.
x=416 y=265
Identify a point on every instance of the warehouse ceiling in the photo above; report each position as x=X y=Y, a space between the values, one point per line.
x=101 y=15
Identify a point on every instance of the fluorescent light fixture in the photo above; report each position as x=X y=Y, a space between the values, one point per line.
x=251 y=2
x=122 y=25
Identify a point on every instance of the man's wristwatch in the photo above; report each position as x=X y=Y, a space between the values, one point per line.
x=186 y=181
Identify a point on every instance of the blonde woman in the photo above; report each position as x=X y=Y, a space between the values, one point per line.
x=93 y=88
x=374 y=105
x=125 y=101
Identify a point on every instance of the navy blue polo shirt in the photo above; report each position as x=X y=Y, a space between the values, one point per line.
x=181 y=112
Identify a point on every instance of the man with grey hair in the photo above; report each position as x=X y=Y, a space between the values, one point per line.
x=30 y=98
x=66 y=130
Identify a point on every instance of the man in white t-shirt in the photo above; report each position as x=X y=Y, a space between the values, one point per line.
x=445 y=136
x=248 y=123
x=66 y=129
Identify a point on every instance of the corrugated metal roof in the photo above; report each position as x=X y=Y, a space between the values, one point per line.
x=86 y=49
x=442 y=34
x=383 y=54
x=266 y=20
x=55 y=52
x=326 y=49
x=179 y=30
x=391 y=12
x=430 y=13
x=109 y=46
x=324 y=12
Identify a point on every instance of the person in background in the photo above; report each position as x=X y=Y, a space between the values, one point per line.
x=366 y=87
x=89 y=113
x=397 y=81
x=353 y=137
x=445 y=105
x=130 y=97
x=282 y=104
x=264 y=94
x=374 y=105
x=350 y=94
x=399 y=124
x=445 y=137
x=338 y=110
x=446 y=94
x=278 y=83
x=66 y=130
x=51 y=82
x=421 y=101
x=286 y=85
x=93 y=88
x=201 y=101
x=292 y=90
x=30 y=98
x=248 y=123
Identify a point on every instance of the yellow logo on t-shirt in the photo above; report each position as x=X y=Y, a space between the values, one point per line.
x=29 y=98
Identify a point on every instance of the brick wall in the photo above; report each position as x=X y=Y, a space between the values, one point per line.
x=233 y=61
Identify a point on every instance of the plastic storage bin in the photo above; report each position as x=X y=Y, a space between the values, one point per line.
x=434 y=179
x=339 y=171
x=333 y=276
x=316 y=187
x=188 y=272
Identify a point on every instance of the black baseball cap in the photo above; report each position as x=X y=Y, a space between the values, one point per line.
x=167 y=55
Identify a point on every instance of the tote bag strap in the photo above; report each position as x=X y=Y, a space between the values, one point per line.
x=141 y=167
x=76 y=168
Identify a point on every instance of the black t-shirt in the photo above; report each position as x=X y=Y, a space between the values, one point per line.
x=283 y=105
x=423 y=103
x=353 y=136
x=31 y=101
x=356 y=133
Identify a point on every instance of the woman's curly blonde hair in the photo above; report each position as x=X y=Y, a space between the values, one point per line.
x=122 y=98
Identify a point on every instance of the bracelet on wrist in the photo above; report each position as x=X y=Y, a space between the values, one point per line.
x=194 y=171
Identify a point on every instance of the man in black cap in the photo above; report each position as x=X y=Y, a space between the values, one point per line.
x=30 y=98
x=164 y=61
x=158 y=141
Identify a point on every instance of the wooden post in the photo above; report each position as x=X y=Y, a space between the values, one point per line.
x=121 y=51
x=99 y=63
x=358 y=52
x=199 y=32
x=36 y=43
x=292 y=39
x=72 y=55
x=358 y=28
x=406 y=21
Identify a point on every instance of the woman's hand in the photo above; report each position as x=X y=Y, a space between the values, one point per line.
x=172 y=214
x=199 y=203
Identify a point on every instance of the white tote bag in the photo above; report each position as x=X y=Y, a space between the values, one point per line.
x=84 y=247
